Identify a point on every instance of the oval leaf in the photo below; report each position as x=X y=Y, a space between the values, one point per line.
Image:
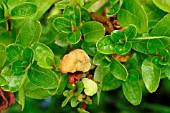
x=3 y=55
x=14 y=52
x=23 y=10
x=162 y=4
x=29 y=33
x=150 y=75
x=118 y=70
x=90 y=48
x=105 y=45
x=135 y=14
x=74 y=37
x=41 y=53
x=162 y=28
x=92 y=31
x=131 y=88
x=62 y=24
x=43 y=78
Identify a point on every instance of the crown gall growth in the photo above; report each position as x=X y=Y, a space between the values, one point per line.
x=76 y=60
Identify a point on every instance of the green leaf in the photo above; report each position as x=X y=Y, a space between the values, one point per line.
x=42 y=7
x=106 y=79
x=62 y=39
x=62 y=24
x=154 y=14
x=140 y=46
x=130 y=32
x=118 y=70
x=105 y=45
x=85 y=15
x=89 y=48
x=62 y=4
x=14 y=52
x=62 y=82
x=18 y=66
x=14 y=80
x=150 y=75
x=135 y=14
x=123 y=49
x=162 y=4
x=162 y=28
x=27 y=54
x=101 y=59
x=35 y=92
x=66 y=100
x=93 y=31
x=3 y=55
x=74 y=37
x=114 y=9
x=23 y=10
x=41 y=52
x=117 y=35
x=155 y=61
x=74 y=102
x=79 y=87
x=21 y=95
x=167 y=71
x=154 y=46
x=43 y=78
x=3 y=82
x=29 y=33
x=131 y=88
x=73 y=14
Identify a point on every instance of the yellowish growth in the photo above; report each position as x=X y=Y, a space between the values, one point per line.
x=76 y=60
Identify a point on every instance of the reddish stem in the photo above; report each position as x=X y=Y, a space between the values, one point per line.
x=84 y=105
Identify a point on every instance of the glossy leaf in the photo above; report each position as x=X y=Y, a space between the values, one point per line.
x=162 y=4
x=153 y=13
x=107 y=80
x=130 y=32
x=154 y=46
x=162 y=27
x=21 y=96
x=29 y=33
x=41 y=52
x=85 y=15
x=42 y=7
x=117 y=35
x=74 y=37
x=3 y=82
x=3 y=55
x=18 y=66
x=105 y=45
x=62 y=24
x=140 y=46
x=123 y=49
x=62 y=4
x=118 y=70
x=23 y=10
x=90 y=48
x=115 y=9
x=92 y=31
x=73 y=14
x=62 y=39
x=14 y=52
x=35 y=92
x=150 y=75
x=135 y=14
x=167 y=71
x=62 y=82
x=27 y=54
x=14 y=80
x=43 y=78
x=132 y=89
